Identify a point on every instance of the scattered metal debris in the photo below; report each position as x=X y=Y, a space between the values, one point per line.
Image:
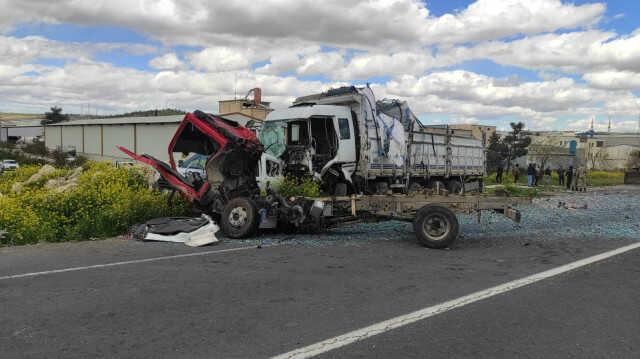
x=194 y=232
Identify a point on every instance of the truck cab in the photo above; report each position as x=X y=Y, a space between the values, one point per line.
x=311 y=140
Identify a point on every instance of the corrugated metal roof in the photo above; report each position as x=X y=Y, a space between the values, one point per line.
x=122 y=120
x=21 y=123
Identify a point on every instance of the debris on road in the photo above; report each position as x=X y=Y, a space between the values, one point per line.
x=566 y=205
x=194 y=232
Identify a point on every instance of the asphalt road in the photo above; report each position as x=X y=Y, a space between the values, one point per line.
x=257 y=303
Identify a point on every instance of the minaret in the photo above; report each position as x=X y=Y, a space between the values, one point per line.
x=592 y=119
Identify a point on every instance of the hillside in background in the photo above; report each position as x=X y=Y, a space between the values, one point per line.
x=149 y=113
x=19 y=116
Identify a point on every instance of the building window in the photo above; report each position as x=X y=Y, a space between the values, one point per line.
x=343 y=124
x=599 y=143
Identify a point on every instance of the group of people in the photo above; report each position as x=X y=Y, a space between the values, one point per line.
x=573 y=179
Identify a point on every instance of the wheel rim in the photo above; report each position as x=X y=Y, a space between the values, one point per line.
x=238 y=217
x=436 y=227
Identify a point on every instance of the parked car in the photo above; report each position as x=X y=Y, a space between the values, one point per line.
x=9 y=165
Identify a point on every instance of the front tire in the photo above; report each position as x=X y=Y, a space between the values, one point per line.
x=239 y=218
x=436 y=226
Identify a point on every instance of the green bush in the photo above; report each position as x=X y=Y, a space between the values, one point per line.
x=7 y=154
x=37 y=148
x=306 y=187
x=106 y=202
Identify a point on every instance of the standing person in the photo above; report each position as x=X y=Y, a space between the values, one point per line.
x=560 y=171
x=531 y=174
x=516 y=174
x=499 y=173
x=547 y=176
x=535 y=174
x=569 y=177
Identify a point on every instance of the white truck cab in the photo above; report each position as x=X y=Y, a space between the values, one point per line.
x=309 y=140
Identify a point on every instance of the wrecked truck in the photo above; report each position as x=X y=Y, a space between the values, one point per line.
x=230 y=193
x=354 y=144
x=228 y=190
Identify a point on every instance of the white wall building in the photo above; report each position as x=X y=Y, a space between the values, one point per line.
x=97 y=138
x=15 y=129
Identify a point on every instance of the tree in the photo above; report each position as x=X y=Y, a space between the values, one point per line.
x=54 y=116
x=516 y=143
x=543 y=152
x=496 y=153
x=598 y=158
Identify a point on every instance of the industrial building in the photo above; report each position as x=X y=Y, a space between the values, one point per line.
x=14 y=130
x=597 y=150
x=97 y=138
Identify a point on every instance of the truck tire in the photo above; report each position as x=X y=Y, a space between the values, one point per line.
x=455 y=187
x=436 y=226
x=239 y=218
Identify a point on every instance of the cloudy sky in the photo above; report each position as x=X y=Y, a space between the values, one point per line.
x=552 y=64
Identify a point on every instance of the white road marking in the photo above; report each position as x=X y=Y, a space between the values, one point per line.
x=400 y=321
x=133 y=261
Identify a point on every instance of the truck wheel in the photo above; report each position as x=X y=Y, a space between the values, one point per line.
x=438 y=184
x=456 y=187
x=239 y=218
x=436 y=226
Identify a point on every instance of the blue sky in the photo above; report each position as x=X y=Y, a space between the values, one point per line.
x=551 y=63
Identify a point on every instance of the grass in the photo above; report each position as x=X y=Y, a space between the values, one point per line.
x=516 y=191
x=594 y=179
x=605 y=178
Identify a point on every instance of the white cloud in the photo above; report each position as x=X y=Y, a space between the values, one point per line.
x=352 y=23
x=494 y=19
x=574 y=51
x=614 y=80
x=168 y=61
x=21 y=50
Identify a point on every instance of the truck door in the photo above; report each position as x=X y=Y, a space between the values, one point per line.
x=347 y=153
x=346 y=138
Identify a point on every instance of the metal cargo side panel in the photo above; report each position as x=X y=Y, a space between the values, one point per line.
x=467 y=156
x=428 y=154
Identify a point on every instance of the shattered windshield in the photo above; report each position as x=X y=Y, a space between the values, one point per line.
x=272 y=137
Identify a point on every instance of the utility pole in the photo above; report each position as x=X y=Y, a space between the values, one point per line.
x=609 y=126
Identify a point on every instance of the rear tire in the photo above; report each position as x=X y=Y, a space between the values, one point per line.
x=455 y=187
x=239 y=218
x=436 y=226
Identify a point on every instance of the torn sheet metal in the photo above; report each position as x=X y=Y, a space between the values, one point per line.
x=194 y=232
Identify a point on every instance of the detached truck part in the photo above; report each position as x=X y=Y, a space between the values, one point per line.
x=230 y=193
